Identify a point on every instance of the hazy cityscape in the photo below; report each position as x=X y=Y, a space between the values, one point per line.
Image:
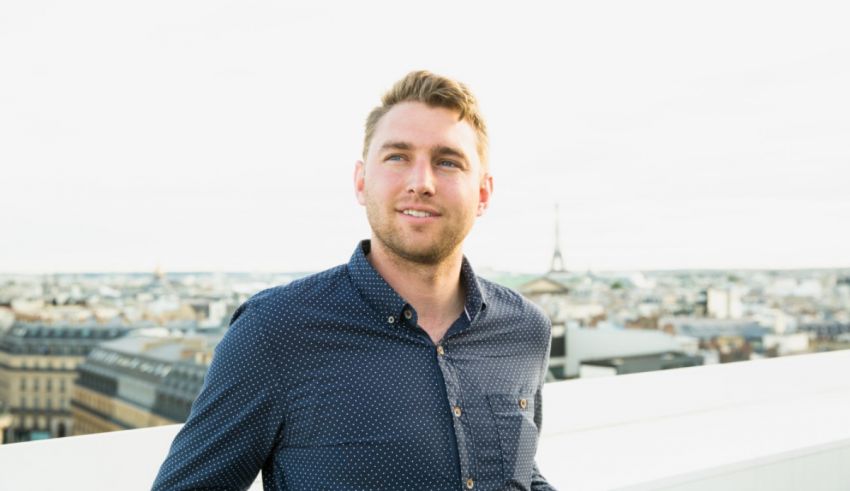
x=163 y=162
x=88 y=353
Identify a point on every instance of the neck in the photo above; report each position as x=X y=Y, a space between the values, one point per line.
x=434 y=290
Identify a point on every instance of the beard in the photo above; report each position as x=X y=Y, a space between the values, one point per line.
x=434 y=249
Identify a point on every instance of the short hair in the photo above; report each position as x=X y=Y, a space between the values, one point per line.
x=435 y=91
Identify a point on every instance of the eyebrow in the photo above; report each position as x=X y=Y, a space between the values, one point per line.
x=438 y=149
x=444 y=150
x=395 y=146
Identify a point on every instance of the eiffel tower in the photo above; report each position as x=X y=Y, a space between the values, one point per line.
x=557 y=258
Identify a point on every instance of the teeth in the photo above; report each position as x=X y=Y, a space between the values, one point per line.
x=416 y=213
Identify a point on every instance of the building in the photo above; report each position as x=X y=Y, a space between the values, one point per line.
x=578 y=351
x=38 y=366
x=560 y=301
x=624 y=365
x=607 y=350
x=706 y=328
x=140 y=381
x=724 y=303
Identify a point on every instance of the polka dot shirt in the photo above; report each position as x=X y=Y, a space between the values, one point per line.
x=329 y=383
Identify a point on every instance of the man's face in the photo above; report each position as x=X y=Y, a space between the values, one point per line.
x=422 y=182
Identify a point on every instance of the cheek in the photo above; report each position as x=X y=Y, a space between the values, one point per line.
x=383 y=182
x=378 y=195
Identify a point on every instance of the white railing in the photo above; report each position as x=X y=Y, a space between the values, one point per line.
x=781 y=425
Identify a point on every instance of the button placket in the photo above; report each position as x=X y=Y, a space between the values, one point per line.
x=460 y=425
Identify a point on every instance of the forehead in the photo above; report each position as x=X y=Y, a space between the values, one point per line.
x=424 y=126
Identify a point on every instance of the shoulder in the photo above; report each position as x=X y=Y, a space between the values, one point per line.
x=274 y=318
x=277 y=310
x=504 y=301
x=288 y=297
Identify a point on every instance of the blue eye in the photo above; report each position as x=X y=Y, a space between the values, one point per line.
x=395 y=157
x=448 y=163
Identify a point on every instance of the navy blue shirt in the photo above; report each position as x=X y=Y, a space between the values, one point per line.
x=329 y=383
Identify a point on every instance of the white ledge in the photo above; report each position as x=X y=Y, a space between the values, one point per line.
x=776 y=424
x=779 y=424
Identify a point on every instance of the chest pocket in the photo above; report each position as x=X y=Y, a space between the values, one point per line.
x=514 y=419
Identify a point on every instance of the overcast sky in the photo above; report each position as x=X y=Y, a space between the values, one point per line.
x=222 y=135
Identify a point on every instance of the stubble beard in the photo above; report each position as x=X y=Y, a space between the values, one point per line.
x=405 y=248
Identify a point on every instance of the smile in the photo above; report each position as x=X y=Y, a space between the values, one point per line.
x=417 y=213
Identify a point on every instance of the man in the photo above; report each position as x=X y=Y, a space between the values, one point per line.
x=399 y=370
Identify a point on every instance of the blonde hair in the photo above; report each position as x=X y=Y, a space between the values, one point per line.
x=435 y=91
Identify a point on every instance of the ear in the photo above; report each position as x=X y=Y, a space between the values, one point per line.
x=484 y=193
x=359 y=181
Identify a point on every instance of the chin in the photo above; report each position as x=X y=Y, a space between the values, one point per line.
x=413 y=250
x=415 y=253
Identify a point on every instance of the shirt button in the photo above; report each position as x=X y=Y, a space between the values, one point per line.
x=470 y=483
x=523 y=403
x=440 y=350
x=408 y=314
x=391 y=319
x=457 y=411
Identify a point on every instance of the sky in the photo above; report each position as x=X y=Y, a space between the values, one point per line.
x=221 y=136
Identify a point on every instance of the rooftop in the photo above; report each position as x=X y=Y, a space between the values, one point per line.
x=776 y=424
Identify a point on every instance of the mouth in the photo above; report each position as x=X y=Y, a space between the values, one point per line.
x=419 y=214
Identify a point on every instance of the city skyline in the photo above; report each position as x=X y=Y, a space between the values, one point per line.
x=217 y=137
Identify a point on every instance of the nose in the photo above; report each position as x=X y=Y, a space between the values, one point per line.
x=421 y=178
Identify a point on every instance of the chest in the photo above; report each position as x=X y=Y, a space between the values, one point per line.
x=385 y=408
x=378 y=388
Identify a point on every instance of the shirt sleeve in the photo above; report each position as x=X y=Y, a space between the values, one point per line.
x=538 y=482
x=235 y=421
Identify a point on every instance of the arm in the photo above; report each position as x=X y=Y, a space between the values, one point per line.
x=236 y=418
x=538 y=482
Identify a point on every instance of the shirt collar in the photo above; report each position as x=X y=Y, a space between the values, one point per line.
x=381 y=297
